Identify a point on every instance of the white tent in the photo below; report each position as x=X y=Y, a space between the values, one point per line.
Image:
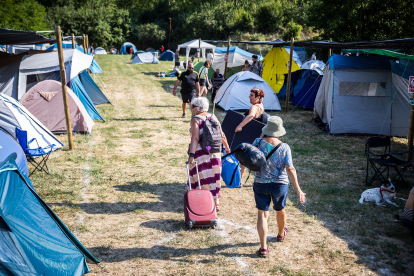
x=147 y=57
x=234 y=93
x=99 y=51
x=14 y=78
x=13 y=114
x=363 y=95
x=194 y=44
x=236 y=58
x=316 y=65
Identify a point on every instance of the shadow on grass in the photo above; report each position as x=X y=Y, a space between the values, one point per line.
x=161 y=252
x=142 y=119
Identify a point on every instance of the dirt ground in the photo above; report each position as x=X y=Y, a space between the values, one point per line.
x=121 y=193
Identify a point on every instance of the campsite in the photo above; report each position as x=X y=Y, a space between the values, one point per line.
x=110 y=163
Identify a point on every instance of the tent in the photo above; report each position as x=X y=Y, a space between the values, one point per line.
x=20 y=76
x=13 y=114
x=364 y=95
x=305 y=88
x=18 y=49
x=95 y=68
x=125 y=48
x=33 y=240
x=235 y=91
x=193 y=44
x=99 y=51
x=300 y=51
x=235 y=61
x=144 y=58
x=167 y=55
x=8 y=145
x=197 y=68
x=316 y=65
x=275 y=65
x=45 y=102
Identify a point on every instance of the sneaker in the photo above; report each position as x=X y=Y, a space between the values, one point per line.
x=279 y=238
x=183 y=115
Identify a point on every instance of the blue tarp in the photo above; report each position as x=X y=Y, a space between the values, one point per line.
x=79 y=90
x=237 y=50
x=361 y=62
x=167 y=55
x=94 y=93
x=9 y=145
x=33 y=240
x=95 y=69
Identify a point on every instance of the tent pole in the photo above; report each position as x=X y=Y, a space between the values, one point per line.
x=64 y=90
x=199 y=48
x=410 y=132
x=87 y=49
x=84 y=44
x=330 y=50
x=227 y=54
x=73 y=41
x=6 y=49
x=289 y=74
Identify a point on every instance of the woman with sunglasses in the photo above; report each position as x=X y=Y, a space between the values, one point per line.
x=209 y=164
x=255 y=112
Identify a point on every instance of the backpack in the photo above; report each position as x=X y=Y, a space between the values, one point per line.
x=210 y=139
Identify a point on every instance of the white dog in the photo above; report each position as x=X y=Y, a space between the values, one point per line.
x=385 y=193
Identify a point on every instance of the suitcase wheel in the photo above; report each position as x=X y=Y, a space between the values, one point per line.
x=190 y=224
x=213 y=224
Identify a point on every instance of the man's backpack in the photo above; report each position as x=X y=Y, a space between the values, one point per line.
x=210 y=139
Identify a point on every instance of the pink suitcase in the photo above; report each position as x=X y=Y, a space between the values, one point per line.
x=199 y=206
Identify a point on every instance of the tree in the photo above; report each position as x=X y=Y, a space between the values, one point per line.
x=150 y=34
x=26 y=15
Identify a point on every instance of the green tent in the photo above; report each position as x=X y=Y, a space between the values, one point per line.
x=198 y=65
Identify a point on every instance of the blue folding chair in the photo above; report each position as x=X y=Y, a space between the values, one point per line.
x=37 y=157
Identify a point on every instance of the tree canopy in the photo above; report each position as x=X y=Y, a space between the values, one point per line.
x=109 y=23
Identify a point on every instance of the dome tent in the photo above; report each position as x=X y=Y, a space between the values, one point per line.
x=44 y=101
x=167 y=55
x=143 y=58
x=8 y=145
x=125 y=48
x=99 y=51
x=234 y=93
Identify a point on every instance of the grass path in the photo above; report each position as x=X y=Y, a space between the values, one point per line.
x=121 y=193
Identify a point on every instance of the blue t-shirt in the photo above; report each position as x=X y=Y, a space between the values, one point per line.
x=275 y=169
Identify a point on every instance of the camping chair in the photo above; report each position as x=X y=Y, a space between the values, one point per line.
x=32 y=154
x=382 y=163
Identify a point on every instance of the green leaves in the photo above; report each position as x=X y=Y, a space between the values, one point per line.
x=22 y=15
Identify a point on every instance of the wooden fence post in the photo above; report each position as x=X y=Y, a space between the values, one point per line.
x=289 y=74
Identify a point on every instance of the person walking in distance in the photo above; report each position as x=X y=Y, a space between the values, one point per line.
x=257 y=66
x=177 y=59
x=189 y=85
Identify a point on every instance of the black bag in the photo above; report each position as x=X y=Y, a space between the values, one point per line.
x=252 y=157
x=211 y=139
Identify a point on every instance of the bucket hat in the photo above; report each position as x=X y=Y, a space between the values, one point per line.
x=274 y=127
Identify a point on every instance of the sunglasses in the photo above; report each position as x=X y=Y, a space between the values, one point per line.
x=190 y=67
x=192 y=106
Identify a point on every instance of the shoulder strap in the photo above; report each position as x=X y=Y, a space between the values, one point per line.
x=273 y=151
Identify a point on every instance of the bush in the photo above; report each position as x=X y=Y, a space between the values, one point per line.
x=269 y=17
x=292 y=30
x=150 y=34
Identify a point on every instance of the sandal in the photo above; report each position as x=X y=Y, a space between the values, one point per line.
x=262 y=253
x=217 y=207
x=279 y=238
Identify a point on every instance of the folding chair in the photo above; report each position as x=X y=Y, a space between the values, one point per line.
x=382 y=163
x=37 y=157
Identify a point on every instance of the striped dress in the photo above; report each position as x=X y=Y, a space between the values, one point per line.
x=209 y=168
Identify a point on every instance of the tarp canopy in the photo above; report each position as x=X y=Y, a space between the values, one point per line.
x=275 y=65
x=364 y=95
x=194 y=44
x=99 y=51
x=167 y=55
x=382 y=52
x=16 y=37
x=235 y=60
x=33 y=240
x=9 y=145
x=147 y=57
x=235 y=91
x=13 y=114
x=125 y=48
x=45 y=102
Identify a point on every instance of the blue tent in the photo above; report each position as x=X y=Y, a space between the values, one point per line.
x=306 y=88
x=93 y=91
x=167 y=55
x=300 y=51
x=95 y=69
x=80 y=91
x=33 y=240
x=125 y=48
x=8 y=145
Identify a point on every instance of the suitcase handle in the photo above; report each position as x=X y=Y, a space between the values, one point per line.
x=188 y=175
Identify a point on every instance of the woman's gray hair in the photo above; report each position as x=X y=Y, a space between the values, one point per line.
x=202 y=102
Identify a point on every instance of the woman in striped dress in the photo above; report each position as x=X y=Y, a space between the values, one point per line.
x=209 y=164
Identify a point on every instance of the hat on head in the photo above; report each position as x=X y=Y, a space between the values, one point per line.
x=274 y=127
